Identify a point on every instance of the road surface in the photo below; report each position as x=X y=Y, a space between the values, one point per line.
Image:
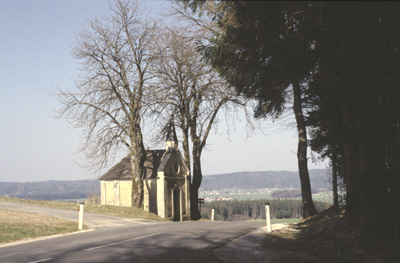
x=132 y=241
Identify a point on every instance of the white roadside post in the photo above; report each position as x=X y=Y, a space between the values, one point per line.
x=212 y=214
x=268 y=218
x=180 y=206
x=81 y=205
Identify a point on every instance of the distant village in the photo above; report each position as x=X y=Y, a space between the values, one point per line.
x=238 y=194
x=321 y=194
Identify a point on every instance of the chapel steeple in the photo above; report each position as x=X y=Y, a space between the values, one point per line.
x=171 y=139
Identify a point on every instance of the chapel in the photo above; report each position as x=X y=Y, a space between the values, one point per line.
x=166 y=182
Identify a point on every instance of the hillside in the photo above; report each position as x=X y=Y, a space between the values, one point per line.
x=50 y=190
x=56 y=190
x=264 y=179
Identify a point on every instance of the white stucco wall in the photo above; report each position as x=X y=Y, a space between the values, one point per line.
x=116 y=193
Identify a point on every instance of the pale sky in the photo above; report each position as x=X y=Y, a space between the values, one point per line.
x=36 y=38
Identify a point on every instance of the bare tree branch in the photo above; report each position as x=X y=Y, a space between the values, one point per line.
x=189 y=89
x=115 y=53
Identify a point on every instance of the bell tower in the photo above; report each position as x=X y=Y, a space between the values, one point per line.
x=171 y=139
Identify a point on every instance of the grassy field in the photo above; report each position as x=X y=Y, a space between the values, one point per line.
x=127 y=212
x=15 y=225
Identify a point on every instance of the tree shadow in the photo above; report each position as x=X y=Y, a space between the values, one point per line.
x=170 y=245
x=327 y=237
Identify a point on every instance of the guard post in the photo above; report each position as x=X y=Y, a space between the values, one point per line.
x=81 y=205
x=200 y=201
x=268 y=217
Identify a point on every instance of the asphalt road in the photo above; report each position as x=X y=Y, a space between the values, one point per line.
x=132 y=241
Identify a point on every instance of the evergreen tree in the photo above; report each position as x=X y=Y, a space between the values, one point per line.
x=263 y=49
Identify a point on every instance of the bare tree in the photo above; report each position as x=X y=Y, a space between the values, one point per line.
x=193 y=92
x=110 y=95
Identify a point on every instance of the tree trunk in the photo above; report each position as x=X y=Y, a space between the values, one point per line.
x=186 y=150
x=308 y=205
x=138 y=157
x=393 y=170
x=196 y=181
x=353 y=198
x=376 y=218
x=135 y=183
x=334 y=181
x=142 y=170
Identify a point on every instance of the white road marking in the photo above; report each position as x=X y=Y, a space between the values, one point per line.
x=29 y=240
x=41 y=260
x=116 y=243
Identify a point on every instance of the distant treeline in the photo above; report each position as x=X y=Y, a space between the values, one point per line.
x=49 y=197
x=264 y=179
x=51 y=190
x=255 y=209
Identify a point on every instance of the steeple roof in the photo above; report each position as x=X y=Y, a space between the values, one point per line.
x=171 y=134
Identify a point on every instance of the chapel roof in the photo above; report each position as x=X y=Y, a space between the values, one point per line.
x=167 y=155
x=123 y=169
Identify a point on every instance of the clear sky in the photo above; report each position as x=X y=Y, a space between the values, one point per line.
x=36 y=38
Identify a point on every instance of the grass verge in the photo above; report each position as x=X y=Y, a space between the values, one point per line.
x=127 y=212
x=277 y=220
x=16 y=225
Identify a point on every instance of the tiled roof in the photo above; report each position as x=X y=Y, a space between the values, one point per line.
x=123 y=169
x=168 y=154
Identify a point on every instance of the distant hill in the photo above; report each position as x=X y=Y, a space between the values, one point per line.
x=263 y=179
x=50 y=190
x=57 y=190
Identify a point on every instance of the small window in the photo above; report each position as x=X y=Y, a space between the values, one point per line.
x=176 y=168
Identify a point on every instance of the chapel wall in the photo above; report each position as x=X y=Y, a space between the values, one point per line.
x=108 y=189
x=125 y=193
x=150 y=195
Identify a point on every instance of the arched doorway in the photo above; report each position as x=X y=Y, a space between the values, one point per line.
x=177 y=203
